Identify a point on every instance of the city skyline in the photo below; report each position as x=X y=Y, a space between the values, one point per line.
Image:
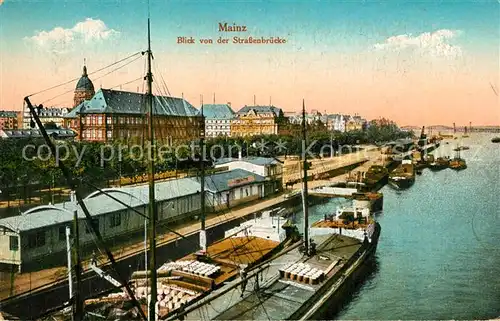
x=424 y=63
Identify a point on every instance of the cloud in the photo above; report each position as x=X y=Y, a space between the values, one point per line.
x=60 y=40
x=431 y=43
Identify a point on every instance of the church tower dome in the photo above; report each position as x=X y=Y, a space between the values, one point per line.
x=84 y=88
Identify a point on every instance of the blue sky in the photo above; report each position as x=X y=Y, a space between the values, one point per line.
x=310 y=24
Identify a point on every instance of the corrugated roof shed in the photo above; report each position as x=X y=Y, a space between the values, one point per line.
x=99 y=204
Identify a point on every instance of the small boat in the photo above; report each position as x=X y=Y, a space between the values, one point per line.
x=495 y=140
x=458 y=163
x=403 y=176
x=459 y=148
x=439 y=164
x=375 y=177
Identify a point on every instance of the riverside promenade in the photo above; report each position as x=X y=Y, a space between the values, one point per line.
x=27 y=283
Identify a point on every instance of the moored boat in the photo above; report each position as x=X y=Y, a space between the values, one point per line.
x=439 y=164
x=302 y=282
x=375 y=177
x=495 y=140
x=458 y=163
x=403 y=176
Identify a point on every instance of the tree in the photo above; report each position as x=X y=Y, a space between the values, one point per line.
x=50 y=125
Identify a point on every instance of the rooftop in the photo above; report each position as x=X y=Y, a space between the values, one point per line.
x=256 y=160
x=225 y=181
x=261 y=109
x=134 y=196
x=84 y=84
x=99 y=204
x=50 y=112
x=24 y=133
x=218 y=111
x=107 y=101
x=8 y=114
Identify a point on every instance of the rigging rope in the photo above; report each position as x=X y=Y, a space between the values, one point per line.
x=75 y=79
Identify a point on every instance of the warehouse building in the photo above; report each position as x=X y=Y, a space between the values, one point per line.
x=36 y=239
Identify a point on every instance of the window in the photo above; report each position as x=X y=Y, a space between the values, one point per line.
x=115 y=220
x=13 y=244
x=109 y=134
x=36 y=239
x=95 y=225
x=108 y=120
x=99 y=120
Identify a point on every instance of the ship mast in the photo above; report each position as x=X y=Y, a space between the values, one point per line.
x=152 y=205
x=203 y=234
x=304 y=188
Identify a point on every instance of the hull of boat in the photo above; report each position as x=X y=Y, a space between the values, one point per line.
x=458 y=168
x=438 y=167
x=402 y=182
x=330 y=298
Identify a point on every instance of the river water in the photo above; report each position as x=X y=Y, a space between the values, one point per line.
x=438 y=255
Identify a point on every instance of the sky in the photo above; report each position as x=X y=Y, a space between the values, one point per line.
x=417 y=63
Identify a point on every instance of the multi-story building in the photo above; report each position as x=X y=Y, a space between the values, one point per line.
x=269 y=168
x=218 y=119
x=257 y=120
x=120 y=115
x=355 y=123
x=9 y=119
x=311 y=118
x=336 y=122
x=47 y=115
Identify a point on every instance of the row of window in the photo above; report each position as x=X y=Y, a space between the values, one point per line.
x=137 y=120
x=218 y=127
x=210 y=121
x=38 y=239
x=256 y=121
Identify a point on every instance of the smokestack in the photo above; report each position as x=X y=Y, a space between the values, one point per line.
x=254 y=100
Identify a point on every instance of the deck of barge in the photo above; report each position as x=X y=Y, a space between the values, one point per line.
x=278 y=298
x=232 y=252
